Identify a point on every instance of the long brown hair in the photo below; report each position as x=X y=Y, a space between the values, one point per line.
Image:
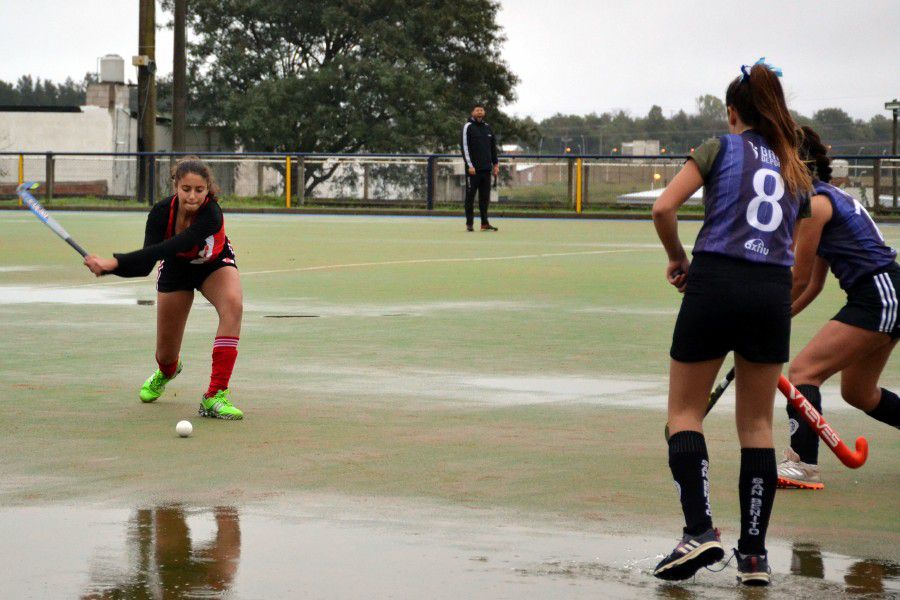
x=193 y=164
x=815 y=155
x=759 y=102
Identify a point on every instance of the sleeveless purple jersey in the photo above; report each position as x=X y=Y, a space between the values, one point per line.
x=749 y=213
x=851 y=242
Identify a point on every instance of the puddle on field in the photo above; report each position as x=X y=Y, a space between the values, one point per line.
x=21 y=269
x=470 y=389
x=342 y=548
x=22 y=294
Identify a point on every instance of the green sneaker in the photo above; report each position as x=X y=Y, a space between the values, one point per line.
x=156 y=384
x=219 y=407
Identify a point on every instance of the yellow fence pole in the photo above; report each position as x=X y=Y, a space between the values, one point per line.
x=578 y=191
x=287 y=181
x=21 y=173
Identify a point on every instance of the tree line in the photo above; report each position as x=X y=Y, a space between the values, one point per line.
x=680 y=132
x=33 y=91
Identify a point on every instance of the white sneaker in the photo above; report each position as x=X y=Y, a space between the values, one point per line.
x=795 y=474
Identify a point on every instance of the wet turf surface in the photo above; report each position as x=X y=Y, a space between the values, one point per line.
x=528 y=385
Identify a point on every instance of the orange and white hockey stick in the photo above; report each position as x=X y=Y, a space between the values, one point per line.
x=852 y=459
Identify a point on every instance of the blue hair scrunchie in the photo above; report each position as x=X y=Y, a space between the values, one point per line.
x=745 y=70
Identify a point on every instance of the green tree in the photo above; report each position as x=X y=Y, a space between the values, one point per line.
x=348 y=75
x=710 y=107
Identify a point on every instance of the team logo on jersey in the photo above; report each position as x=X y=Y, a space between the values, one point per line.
x=756 y=245
x=793 y=426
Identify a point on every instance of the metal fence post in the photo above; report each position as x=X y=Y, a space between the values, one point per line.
x=429 y=182
x=569 y=174
x=876 y=185
x=151 y=180
x=21 y=174
x=301 y=180
x=579 y=168
x=287 y=181
x=49 y=175
x=586 y=183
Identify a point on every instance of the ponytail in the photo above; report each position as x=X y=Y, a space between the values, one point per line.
x=758 y=98
x=815 y=155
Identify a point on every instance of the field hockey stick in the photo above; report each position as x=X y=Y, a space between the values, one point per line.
x=852 y=459
x=714 y=396
x=41 y=213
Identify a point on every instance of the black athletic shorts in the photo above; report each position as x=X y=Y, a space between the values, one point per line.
x=872 y=302
x=175 y=275
x=734 y=305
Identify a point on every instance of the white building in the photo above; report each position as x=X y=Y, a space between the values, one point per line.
x=106 y=123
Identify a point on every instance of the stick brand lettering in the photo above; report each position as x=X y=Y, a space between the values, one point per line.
x=815 y=419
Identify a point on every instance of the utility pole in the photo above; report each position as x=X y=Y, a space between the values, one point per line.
x=145 y=61
x=179 y=76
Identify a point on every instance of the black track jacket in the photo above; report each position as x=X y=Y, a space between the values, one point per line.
x=479 y=146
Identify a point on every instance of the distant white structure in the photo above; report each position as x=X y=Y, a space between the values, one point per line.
x=641 y=148
x=649 y=197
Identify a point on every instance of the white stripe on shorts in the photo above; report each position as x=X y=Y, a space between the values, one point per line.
x=891 y=294
x=884 y=304
x=888 y=300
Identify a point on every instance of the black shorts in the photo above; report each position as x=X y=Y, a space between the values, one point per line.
x=734 y=305
x=176 y=275
x=872 y=302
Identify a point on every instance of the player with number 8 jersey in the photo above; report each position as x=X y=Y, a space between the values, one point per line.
x=737 y=298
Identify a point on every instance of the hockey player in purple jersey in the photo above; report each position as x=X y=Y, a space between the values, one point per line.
x=859 y=339
x=737 y=297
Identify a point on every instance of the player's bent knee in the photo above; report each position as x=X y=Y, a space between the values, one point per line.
x=864 y=400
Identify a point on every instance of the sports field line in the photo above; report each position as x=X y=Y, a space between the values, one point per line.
x=416 y=261
x=409 y=261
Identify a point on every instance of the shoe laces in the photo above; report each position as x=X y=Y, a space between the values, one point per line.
x=725 y=564
x=221 y=396
x=158 y=379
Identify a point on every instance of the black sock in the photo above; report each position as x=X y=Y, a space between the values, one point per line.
x=804 y=440
x=689 y=462
x=756 y=488
x=888 y=409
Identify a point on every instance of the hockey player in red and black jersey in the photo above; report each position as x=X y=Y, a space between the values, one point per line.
x=185 y=233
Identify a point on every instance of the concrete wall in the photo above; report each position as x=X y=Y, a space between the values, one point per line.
x=94 y=129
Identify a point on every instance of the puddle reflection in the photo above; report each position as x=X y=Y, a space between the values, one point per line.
x=860 y=577
x=168 y=564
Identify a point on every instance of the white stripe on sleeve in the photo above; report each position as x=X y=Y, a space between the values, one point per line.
x=465 y=145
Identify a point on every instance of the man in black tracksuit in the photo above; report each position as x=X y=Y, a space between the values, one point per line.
x=479 y=150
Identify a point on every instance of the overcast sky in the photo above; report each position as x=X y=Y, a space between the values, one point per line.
x=572 y=56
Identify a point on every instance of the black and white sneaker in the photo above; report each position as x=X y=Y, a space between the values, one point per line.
x=692 y=554
x=753 y=569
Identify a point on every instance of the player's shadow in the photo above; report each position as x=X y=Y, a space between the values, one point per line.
x=862 y=577
x=167 y=564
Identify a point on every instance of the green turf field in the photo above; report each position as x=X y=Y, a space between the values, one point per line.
x=384 y=356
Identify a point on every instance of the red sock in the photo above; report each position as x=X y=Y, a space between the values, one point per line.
x=168 y=369
x=223 y=356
